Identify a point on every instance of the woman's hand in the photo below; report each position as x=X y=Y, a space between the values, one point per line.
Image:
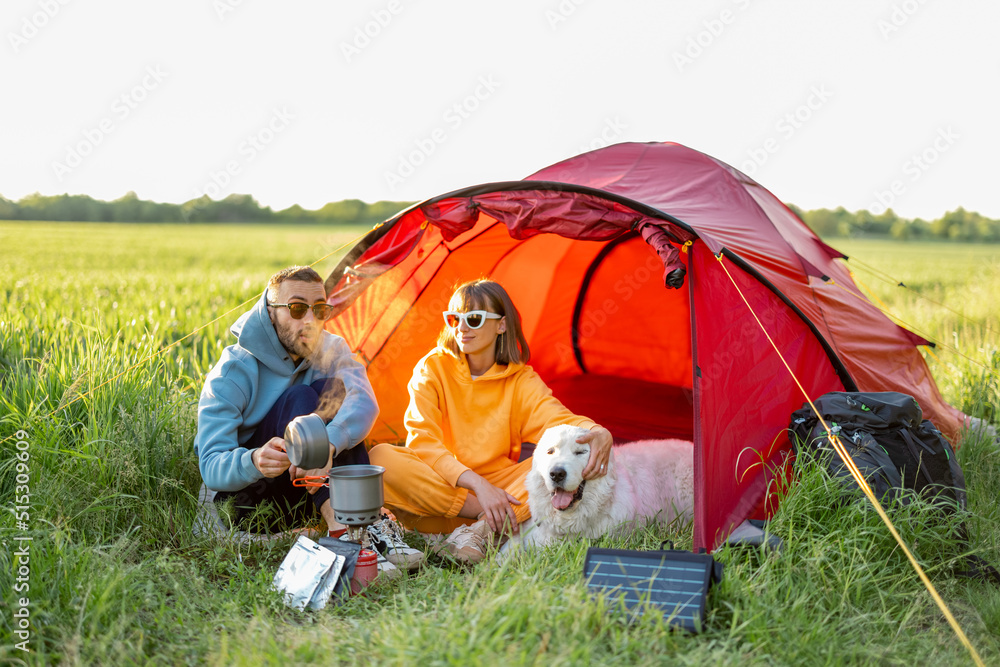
x=496 y=503
x=600 y=451
x=497 y=507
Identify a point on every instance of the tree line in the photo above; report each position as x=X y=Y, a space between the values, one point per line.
x=957 y=225
x=234 y=208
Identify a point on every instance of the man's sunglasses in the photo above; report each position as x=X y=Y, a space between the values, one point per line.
x=473 y=319
x=321 y=311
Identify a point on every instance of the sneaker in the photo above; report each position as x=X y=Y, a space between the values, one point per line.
x=386 y=570
x=468 y=543
x=387 y=539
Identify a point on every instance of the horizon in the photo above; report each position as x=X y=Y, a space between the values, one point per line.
x=392 y=201
x=856 y=104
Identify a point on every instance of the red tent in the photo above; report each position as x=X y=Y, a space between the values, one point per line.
x=585 y=248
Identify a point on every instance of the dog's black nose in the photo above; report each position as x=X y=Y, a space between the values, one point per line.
x=558 y=475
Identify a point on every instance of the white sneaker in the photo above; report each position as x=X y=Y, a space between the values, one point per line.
x=516 y=543
x=468 y=543
x=387 y=539
x=386 y=570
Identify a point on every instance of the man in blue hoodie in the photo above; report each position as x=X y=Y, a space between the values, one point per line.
x=283 y=365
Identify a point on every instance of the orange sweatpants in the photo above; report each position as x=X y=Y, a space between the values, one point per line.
x=422 y=500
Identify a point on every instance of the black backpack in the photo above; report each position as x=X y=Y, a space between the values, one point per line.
x=890 y=443
x=893 y=447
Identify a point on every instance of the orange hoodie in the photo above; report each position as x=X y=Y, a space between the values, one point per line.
x=455 y=423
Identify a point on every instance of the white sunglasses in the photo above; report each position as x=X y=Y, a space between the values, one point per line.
x=473 y=319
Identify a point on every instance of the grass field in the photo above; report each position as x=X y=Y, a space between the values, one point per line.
x=116 y=576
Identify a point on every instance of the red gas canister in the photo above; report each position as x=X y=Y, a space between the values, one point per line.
x=365 y=571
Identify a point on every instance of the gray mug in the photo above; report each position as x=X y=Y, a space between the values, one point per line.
x=306 y=442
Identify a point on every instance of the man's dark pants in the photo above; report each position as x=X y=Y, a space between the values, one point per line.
x=290 y=506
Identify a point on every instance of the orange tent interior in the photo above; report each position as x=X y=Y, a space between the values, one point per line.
x=606 y=325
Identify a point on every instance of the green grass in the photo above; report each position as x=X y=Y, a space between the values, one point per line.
x=950 y=298
x=118 y=578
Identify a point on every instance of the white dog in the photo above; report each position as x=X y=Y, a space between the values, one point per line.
x=645 y=480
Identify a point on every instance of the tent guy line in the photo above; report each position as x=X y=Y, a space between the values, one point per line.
x=78 y=397
x=885 y=277
x=861 y=481
x=930 y=339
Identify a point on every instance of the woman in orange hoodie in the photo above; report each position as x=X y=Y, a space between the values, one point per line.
x=473 y=402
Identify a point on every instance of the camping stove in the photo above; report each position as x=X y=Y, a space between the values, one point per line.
x=356 y=493
x=356 y=496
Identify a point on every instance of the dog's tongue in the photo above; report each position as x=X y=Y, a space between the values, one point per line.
x=562 y=499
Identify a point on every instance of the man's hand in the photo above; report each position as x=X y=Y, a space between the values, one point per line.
x=271 y=459
x=600 y=451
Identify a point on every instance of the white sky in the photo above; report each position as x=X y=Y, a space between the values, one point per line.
x=334 y=117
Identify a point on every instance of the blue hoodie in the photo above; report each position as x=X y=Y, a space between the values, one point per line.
x=246 y=383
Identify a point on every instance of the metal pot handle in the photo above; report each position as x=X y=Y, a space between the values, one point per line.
x=308 y=481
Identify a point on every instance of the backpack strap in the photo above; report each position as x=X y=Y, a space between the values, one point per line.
x=912 y=444
x=980 y=570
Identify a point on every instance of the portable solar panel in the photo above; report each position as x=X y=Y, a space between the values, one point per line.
x=674 y=582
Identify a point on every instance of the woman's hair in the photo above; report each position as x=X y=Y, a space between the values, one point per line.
x=482 y=294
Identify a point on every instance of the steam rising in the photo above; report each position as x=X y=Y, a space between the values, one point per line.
x=331 y=399
x=334 y=392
